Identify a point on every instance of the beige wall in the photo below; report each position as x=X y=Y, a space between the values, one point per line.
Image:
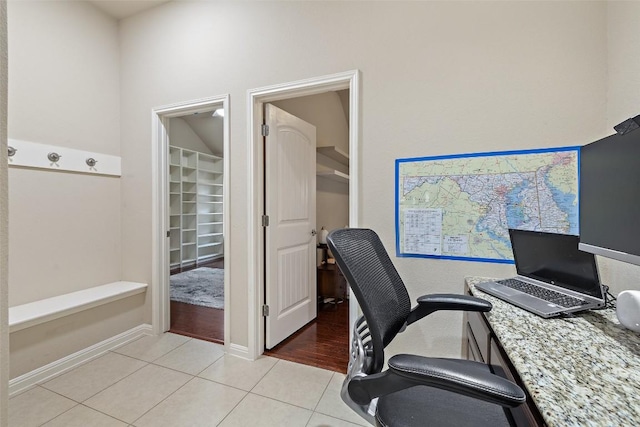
x=39 y=345
x=64 y=90
x=65 y=228
x=437 y=78
x=4 y=218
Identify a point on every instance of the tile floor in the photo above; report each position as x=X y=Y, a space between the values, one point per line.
x=172 y=380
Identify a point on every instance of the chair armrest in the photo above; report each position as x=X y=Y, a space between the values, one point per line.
x=427 y=304
x=464 y=377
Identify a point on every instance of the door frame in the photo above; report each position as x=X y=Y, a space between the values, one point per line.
x=255 y=100
x=160 y=311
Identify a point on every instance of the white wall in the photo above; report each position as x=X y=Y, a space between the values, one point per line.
x=65 y=228
x=4 y=218
x=437 y=78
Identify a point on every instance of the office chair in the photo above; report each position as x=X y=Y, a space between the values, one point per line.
x=414 y=390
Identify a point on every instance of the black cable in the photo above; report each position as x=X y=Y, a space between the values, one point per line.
x=611 y=302
x=609 y=299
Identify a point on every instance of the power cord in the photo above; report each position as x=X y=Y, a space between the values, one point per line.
x=609 y=299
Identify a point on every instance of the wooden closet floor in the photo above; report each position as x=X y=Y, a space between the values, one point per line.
x=323 y=342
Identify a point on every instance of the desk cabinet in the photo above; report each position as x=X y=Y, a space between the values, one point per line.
x=331 y=284
x=481 y=344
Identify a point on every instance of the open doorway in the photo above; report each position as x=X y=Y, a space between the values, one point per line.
x=257 y=99
x=323 y=339
x=190 y=221
x=196 y=223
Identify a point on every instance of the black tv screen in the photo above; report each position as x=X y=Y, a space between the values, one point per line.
x=610 y=197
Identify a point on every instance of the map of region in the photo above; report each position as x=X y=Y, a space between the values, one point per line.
x=461 y=207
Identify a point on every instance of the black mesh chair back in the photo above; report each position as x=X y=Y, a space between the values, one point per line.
x=375 y=283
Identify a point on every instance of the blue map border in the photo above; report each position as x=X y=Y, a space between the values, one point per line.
x=460 y=156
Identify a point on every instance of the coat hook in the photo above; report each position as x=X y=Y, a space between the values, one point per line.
x=53 y=157
x=91 y=162
x=11 y=151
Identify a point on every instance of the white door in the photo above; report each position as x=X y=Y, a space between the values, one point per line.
x=290 y=241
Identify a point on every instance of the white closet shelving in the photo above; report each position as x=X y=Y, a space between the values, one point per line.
x=196 y=206
x=334 y=153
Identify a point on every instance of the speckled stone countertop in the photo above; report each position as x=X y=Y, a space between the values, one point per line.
x=580 y=371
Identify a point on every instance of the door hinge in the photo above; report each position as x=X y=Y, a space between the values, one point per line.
x=265 y=220
x=168 y=233
x=265 y=310
x=265 y=130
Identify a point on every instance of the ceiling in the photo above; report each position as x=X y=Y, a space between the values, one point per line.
x=123 y=8
x=209 y=129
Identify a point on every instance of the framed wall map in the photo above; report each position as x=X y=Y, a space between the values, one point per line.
x=461 y=206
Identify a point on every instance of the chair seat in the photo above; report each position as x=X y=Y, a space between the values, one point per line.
x=428 y=406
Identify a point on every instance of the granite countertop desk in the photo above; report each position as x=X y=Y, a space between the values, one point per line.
x=580 y=371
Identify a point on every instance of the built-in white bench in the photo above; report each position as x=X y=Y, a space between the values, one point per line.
x=41 y=311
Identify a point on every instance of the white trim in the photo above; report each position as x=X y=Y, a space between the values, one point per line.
x=239 y=351
x=160 y=207
x=354 y=178
x=255 y=100
x=53 y=369
x=34 y=155
x=41 y=311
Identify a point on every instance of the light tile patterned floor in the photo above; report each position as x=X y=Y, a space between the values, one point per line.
x=177 y=381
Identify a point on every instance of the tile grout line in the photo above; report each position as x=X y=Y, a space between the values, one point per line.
x=147 y=363
x=168 y=396
x=181 y=372
x=154 y=361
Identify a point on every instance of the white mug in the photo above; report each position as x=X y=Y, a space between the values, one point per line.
x=628 y=309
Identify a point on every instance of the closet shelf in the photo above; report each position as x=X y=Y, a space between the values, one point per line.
x=334 y=153
x=198 y=199
x=208 y=245
x=334 y=175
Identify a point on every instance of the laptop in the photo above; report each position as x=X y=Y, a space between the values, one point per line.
x=554 y=277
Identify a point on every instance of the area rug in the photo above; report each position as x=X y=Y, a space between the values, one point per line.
x=203 y=286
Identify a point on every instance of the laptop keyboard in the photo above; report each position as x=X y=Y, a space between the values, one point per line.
x=546 y=294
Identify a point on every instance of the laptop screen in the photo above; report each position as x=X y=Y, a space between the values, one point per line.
x=555 y=259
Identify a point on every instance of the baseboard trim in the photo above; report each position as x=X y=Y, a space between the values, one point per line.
x=239 y=351
x=53 y=369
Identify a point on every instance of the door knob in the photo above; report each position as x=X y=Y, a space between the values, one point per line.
x=314 y=232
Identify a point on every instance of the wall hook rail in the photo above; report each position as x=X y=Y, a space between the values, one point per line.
x=53 y=157
x=49 y=157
